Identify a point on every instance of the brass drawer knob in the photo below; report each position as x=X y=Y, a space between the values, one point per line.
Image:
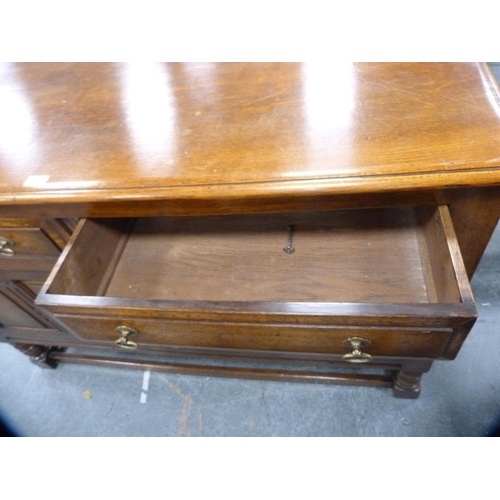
x=6 y=247
x=356 y=344
x=123 y=341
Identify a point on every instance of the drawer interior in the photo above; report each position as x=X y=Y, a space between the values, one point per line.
x=395 y=255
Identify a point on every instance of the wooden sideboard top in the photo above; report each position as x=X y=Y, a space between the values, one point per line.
x=94 y=132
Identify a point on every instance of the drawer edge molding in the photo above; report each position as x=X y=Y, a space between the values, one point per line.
x=297 y=312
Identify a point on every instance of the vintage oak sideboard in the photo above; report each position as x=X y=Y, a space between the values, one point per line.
x=312 y=222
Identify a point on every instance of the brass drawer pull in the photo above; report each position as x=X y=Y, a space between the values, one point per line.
x=124 y=341
x=356 y=344
x=6 y=247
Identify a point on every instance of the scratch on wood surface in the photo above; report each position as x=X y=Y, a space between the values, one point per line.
x=265 y=98
x=187 y=403
x=394 y=87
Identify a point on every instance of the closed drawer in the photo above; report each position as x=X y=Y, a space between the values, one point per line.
x=25 y=247
x=13 y=315
x=289 y=282
x=19 y=317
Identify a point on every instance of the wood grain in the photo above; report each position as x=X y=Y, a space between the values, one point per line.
x=475 y=213
x=397 y=342
x=376 y=256
x=199 y=132
x=339 y=257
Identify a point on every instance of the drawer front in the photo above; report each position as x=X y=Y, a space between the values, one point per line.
x=38 y=336
x=395 y=342
x=26 y=249
x=13 y=315
x=29 y=242
x=18 y=310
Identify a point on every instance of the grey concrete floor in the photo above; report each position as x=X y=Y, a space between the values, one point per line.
x=459 y=398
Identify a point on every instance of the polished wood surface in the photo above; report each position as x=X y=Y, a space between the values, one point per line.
x=395 y=342
x=85 y=133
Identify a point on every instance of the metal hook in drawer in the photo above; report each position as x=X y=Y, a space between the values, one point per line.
x=124 y=341
x=289 y=248
x=356 y=344
x=6 y=247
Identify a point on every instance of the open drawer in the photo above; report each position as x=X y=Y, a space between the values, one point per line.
x=360 y=284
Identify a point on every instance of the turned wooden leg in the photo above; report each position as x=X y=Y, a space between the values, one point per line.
x=407 y=384
x=38 y=354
